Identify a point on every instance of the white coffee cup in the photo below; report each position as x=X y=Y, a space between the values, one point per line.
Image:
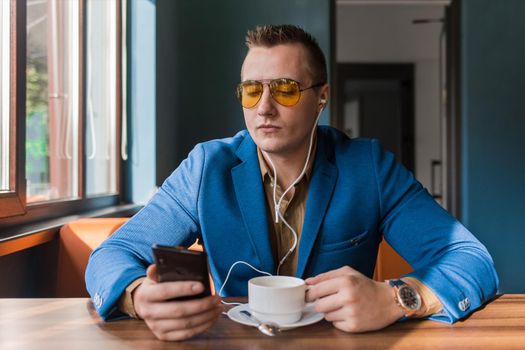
x=279 y=299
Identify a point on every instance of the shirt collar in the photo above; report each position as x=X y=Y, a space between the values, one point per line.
x=266 y=169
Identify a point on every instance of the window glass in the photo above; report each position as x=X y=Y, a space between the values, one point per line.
x=52 y=101
x=101 y=97
x=4 y=95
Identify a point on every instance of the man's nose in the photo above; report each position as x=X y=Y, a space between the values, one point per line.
x=266 y=106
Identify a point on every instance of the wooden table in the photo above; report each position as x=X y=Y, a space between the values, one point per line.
x=73 y=324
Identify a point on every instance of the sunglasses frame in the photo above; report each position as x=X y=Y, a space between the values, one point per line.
x=268 y=82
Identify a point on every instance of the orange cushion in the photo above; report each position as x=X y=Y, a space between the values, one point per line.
x=389 y=264
x=77 y=240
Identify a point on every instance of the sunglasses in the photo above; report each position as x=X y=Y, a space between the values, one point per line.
x=286 y=92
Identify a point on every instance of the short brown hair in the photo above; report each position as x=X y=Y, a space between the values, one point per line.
x=273 y=35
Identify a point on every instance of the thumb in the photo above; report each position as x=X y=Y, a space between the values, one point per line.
x=151 y=272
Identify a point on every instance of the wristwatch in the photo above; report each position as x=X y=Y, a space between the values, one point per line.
x=406 y=297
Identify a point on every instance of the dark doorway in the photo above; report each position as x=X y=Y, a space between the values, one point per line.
x=377 y=101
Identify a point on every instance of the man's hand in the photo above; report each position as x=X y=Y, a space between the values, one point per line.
x=352 y=301
x=174 y=320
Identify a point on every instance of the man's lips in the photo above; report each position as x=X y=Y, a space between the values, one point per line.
x=268 y=127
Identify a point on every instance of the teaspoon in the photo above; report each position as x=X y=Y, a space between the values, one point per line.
x=268 y=328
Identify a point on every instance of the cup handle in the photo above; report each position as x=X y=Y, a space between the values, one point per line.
x=308 y=287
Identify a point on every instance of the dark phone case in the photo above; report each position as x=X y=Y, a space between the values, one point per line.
x=180 y=264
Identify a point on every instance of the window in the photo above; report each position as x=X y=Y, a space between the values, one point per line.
x=60 y=107
x=101 y=97
x=12 y=56
x=52 y=100
x=4 y=95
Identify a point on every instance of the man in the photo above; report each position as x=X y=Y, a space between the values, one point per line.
x=292 y=197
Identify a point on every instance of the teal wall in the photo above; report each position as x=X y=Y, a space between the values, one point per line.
x=200 y=48
x=493 y=139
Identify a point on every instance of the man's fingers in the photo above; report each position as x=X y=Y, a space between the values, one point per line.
x=351 y=326
x=170 y=325
x=329 y=304
x=340 y=314
x=345 y=286
x=169 y=290
x=323 y=289
x=180 y=309
x=342 y=271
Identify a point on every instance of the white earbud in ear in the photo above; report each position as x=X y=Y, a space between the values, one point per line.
x=322 y=102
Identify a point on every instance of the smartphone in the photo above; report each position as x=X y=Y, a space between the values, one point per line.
x=181 y=264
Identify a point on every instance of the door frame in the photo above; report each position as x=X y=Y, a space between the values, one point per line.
x=453 y=103
x=403 y=72
x=453 y=108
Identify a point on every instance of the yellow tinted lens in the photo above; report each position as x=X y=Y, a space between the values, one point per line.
x=249 y=93
x=285 y=91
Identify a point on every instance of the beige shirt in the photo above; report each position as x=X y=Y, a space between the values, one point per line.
x=293 y=208
x=281 y=238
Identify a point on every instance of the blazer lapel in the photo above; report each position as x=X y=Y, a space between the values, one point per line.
x=322 y=184
x=252 y=202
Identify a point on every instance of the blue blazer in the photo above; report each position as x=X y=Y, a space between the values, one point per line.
x=358 y=194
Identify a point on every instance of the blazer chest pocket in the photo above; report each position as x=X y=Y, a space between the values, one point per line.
x=353 y=242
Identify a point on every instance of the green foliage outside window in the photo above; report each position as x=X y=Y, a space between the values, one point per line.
x=37 y=132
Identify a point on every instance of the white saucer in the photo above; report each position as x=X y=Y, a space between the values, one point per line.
x=310 y=316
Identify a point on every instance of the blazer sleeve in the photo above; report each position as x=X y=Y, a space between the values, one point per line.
x=169 y=218
x=445 y=256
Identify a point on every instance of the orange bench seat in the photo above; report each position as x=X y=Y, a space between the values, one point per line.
x=79 y=238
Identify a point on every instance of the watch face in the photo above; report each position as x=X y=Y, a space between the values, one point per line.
x=409 y=298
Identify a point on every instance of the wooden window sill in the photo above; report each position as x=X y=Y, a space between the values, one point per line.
x=25 y=236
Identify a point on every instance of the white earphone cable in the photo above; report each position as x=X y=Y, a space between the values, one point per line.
x=277 y=204
x=278 y=214
x=228 y=276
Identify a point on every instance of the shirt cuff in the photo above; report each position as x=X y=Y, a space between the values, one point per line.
x=431 y=303
x=125 y=302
